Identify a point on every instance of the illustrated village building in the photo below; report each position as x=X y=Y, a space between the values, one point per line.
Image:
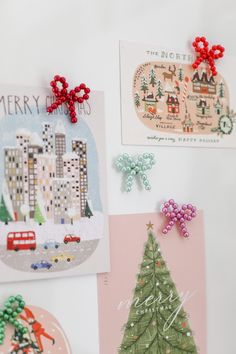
x=187 y=123
x=150 y=102
x=203 y=108
x=79 y=146
x=41 y=170
x=218 y=107
x=203 y=84
x=172 y=104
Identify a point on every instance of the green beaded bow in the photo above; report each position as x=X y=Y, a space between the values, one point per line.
x=134 y=166
x=12 y=308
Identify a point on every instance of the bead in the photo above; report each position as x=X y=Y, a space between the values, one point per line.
x=74 y=120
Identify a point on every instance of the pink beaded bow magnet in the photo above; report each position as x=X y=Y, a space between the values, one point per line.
x=201 y=47
x=177 y=214
x=69 y=98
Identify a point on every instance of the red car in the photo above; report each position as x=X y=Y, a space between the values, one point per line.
x=71 y=238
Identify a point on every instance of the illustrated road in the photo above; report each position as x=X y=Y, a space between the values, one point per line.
x=22 y=260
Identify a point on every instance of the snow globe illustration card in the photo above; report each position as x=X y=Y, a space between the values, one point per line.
x=154 y=298
x=53 y=187
x=43 y=334
x=167 y=102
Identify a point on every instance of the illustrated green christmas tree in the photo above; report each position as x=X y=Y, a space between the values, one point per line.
x=144 y=84
x=137 y=100
x=88 y=212
x=157 y=322
x=160 y=93
x=38 y=216
x=152 y=77
x=221 y=90
x=4 y=213
x=180 y=74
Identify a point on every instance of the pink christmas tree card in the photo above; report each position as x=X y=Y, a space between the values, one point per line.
x=153 y=301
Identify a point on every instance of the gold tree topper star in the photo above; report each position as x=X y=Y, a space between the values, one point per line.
x=149 y=226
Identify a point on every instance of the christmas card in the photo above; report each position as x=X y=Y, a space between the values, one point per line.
x=44 y=334
x=53 y=187
x=167 y=102
x=153 y=301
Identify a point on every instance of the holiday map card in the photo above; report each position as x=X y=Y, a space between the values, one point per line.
x=166 y=102
x=153 y=301
x=53 y=187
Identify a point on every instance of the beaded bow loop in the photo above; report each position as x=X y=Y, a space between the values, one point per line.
x=201 y=47
x=177 y=214
x=133 y=167
x=69 y=98
x=12 y=308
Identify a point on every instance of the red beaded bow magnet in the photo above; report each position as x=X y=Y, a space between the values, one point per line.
x=201 y=46
x=69 y=98
x=177 y=214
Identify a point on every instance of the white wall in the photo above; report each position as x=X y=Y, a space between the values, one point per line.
x=79 y=39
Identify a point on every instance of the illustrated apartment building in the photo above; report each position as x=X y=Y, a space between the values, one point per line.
x=62 y=200
x=13 y=166
x=60 y=150
x=71 y=170
x=48 y=138
x=33 y=152
x=79 y=146
x=22 y=141
x=39 y=170
x=46 y=174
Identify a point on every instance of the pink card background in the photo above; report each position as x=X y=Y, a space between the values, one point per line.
x=185 y=259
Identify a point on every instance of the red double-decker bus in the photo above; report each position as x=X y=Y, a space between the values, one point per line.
x=21 y=240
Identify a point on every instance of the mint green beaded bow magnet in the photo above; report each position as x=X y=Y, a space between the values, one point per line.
x=135 y=166
x=12 y=308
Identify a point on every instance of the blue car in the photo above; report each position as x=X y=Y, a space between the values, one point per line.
x=41 y=265
x=50 y=244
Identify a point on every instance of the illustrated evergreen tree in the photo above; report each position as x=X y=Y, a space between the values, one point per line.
x=152 y=77
x=221 y=90
x=181 y=74
x=4 y=213
x=137 y=100
x=160 y=93
x=38 y=216
x=157 y=323
x=88 y=212
x=144 y=84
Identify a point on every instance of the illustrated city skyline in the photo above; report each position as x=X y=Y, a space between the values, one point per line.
x=44 y=178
